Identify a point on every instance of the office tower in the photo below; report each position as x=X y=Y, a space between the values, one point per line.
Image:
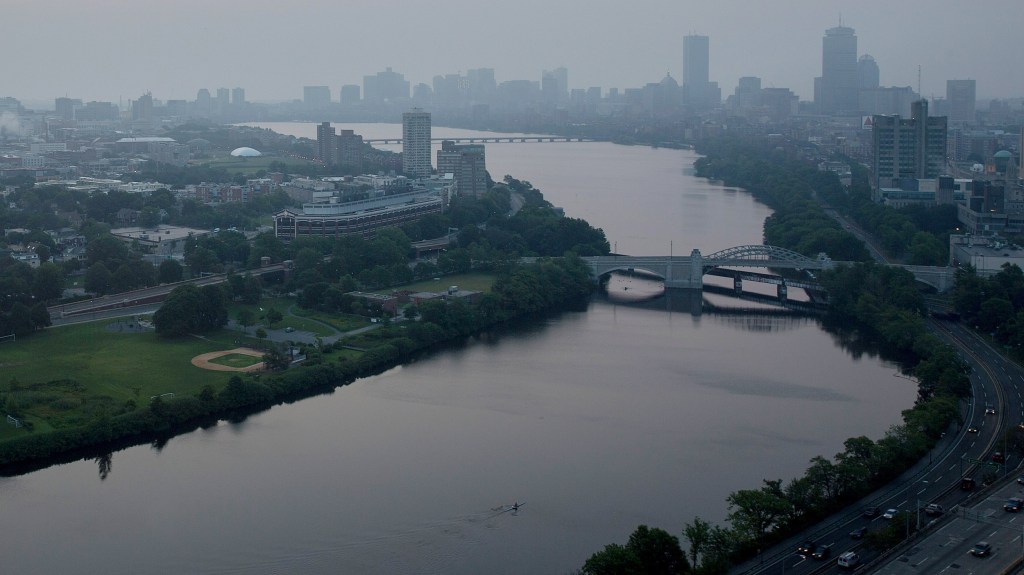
x=912 y=147
x=837 y=88
x=468 y=165
x=66 y=107
x=696 y=66
x=142 y=109
x=350 y=94
x=238 y=97
x=316 y=96
x=960 y=96
x=204 y=103
x=326 y=143
x=482 y=86
x=554 y=85
x=386 y=86
x=416 y=143
x=867 y=73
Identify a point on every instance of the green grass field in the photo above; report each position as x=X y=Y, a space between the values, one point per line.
x=63 y=375
x=250 y=166
x=472 y=281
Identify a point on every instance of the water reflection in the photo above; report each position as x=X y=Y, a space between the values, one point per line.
x=105 y=463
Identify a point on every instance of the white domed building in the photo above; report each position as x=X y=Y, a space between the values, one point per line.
x=246 y=152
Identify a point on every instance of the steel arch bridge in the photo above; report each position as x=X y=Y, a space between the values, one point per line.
x=687 y=272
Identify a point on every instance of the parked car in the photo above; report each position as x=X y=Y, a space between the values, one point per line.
x=806 y=548
x=982 y=549
x=858 y=533
x=890 y=513
x=1014 y=504
x=934 y=509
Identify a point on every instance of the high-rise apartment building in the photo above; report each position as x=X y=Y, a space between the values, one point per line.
x=416 y=143
x=468 y=165
x=554 y=85
x=836 y=90
x=238 y=97
x=348 y=153
x=960 y=97
x=66 y=107
x=912 y=147
x=326 y=143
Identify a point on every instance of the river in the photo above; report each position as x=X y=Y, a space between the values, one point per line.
x=599 y=420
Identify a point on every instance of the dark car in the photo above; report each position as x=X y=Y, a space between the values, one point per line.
x=822 y=553
x=807 y=548
x=1014 y=504
x=871 y=512
x=858 y=533
x=1020 y=480
x=982 y=549
x=998 y=457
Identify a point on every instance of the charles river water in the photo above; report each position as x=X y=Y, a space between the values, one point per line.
x=599 y=420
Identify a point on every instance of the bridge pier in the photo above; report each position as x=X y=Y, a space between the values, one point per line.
x=737 y=284
x=782 y=291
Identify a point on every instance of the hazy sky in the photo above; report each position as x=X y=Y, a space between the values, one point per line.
x=111 y=49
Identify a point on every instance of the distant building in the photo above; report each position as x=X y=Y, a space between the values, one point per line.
x=467 y=164
x=867 y=73
x=326 y=143
x=907 y=147
x=348 y=151
x=386 y=86
x=698 y=91
x=839 y=81
x=238 y=97
x=960 y=97
x=360 y=217
x=316 y=96
x=416 y=143
x=349 y=94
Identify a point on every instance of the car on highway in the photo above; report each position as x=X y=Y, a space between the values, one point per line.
x=871 y=512
x=890 y=513
x=806 y=548
x=822 y=553
x=982 y=549
x=934 y=509
x=848 y=560
x=1014 y=504
x=990 y=411
x=1020 y=480
x=998 y=457
x=972 y=430
x=858 y=533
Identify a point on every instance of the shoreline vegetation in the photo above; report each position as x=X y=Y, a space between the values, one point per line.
x=85 y=401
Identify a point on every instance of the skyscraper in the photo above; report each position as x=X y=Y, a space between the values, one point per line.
x=416 y=143
x=960 y=96
x=867 y=73
x=316 y=96
x=696 y=65
x=326 y=143
x=238 y=97
x=838 y=86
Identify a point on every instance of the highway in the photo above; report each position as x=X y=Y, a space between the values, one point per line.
x=997 y=383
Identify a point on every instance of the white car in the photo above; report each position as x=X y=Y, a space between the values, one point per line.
x=889 y=513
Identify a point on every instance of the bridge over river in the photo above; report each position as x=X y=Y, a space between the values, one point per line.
x=687 y=272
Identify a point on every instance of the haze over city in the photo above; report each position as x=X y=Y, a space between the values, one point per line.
x=111 y=50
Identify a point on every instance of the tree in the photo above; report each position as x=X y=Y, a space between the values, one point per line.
x=272 y=316
x=190 y=309
x=755 y=512
x=98 y=279
x=650 y=551
x=48 y=283
x=245 y=317
x=169 y=271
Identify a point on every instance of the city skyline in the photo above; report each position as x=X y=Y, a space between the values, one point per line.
x=273 y=51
